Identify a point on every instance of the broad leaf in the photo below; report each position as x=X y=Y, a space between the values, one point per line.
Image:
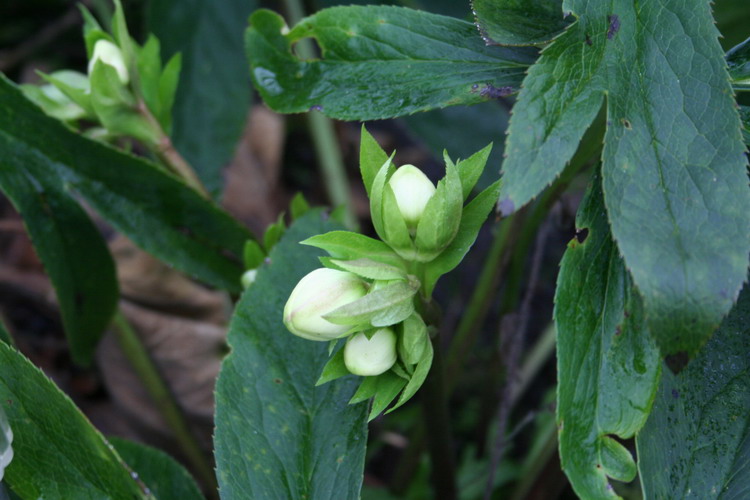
x=696 y=443
x=378 y=62
x=58 y=455
x=70 y=246
x=213 y=96
x=164 y=477
x=154 y=209
x=608 y=364
x=518 y=22
x=278 y=436
x=674 y=174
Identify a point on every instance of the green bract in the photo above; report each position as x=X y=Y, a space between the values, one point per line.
x=373 y=356
x=316 y=295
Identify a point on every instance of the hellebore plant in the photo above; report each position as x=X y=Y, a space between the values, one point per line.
x=378 y=293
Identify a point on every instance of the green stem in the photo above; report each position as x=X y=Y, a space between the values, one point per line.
x=165 y=401
x=327 y=149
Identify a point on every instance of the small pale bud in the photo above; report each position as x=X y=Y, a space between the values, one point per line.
x=413 y=190
x=316 y=295
x=109 y=53
x=369 y=357
x=248 y=278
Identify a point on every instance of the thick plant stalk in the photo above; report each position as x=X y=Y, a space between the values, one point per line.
x=327 y=149
x=165 y=401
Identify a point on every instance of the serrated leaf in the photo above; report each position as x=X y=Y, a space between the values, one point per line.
x=473 y=216
x=674 y=172
x=417 y=378
x=371 y=158
x=165 y=478
x=384 y=306
x=519 y=22
x=351 y=246
x=608 y=363
x=371 y=269
x=71 y=248
x=213 y=98
x=58 y=454
x=385 y=61
x=154 y=209
x=696 y=443
x=278 y=437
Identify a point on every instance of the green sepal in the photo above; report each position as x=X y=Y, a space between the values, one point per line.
x=54 y=102
x=366 y=390
x=442 y=216
x=377 y=194
x=122 y=37
x=76 y=88
x=413 y=339
x=298 y=206
x=115 y=106
x=371 y=159
x=273 y=233
x=417 y=378
x=370 y=269
x=473 y=216
x=92 y=31
x=470 y=169
x=396 y=231
x=148 y=63
x=351 y=246
x=252 y=254
x=168 y=83
x=384 y=388
x=335 y=368
x=401 y=370
x=384 y=306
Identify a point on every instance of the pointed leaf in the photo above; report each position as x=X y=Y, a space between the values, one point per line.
x=388 y=387
x=417 y=378
x=608 y=364
x=58 y=454
x=351 y=246
x=371 y=158
x=371 y=269
x=674 y=173
x=335 y=368
x=278 y=436
x=384 y=61
x=384 y=306
x=413 y=339
x=470 y=169
x=696 y=443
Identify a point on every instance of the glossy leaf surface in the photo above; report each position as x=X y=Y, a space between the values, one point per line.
x=608 y=363
x=213 y=96
x=696 y=443
x=154 y=209
x=278 y=436
x=58 y=454
x=378 y=62
x=674 y=172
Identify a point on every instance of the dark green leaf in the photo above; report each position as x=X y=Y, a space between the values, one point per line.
x=350 y=246
x=156 y=210
x=608 y=363
x=519 y=22
x=5 y=336
x=71 y=248
x=674 y=172
x=473 y=216
x=378 y=62
x=696 y=443
x=214 y=95
x=58 y=455
x=164 y=477
x=277 y=435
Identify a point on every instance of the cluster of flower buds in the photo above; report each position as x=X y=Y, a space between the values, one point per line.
x=374 y=292
x=126 y=92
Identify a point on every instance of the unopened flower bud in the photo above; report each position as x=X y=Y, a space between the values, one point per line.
x=412 y=190
x=109 y=53
x=248 y=278
x=316 y=295
x=373 y=356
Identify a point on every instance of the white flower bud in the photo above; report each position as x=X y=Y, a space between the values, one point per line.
x=109 y=53
x=369 y=357
x=413 y=190
x=317 y=294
